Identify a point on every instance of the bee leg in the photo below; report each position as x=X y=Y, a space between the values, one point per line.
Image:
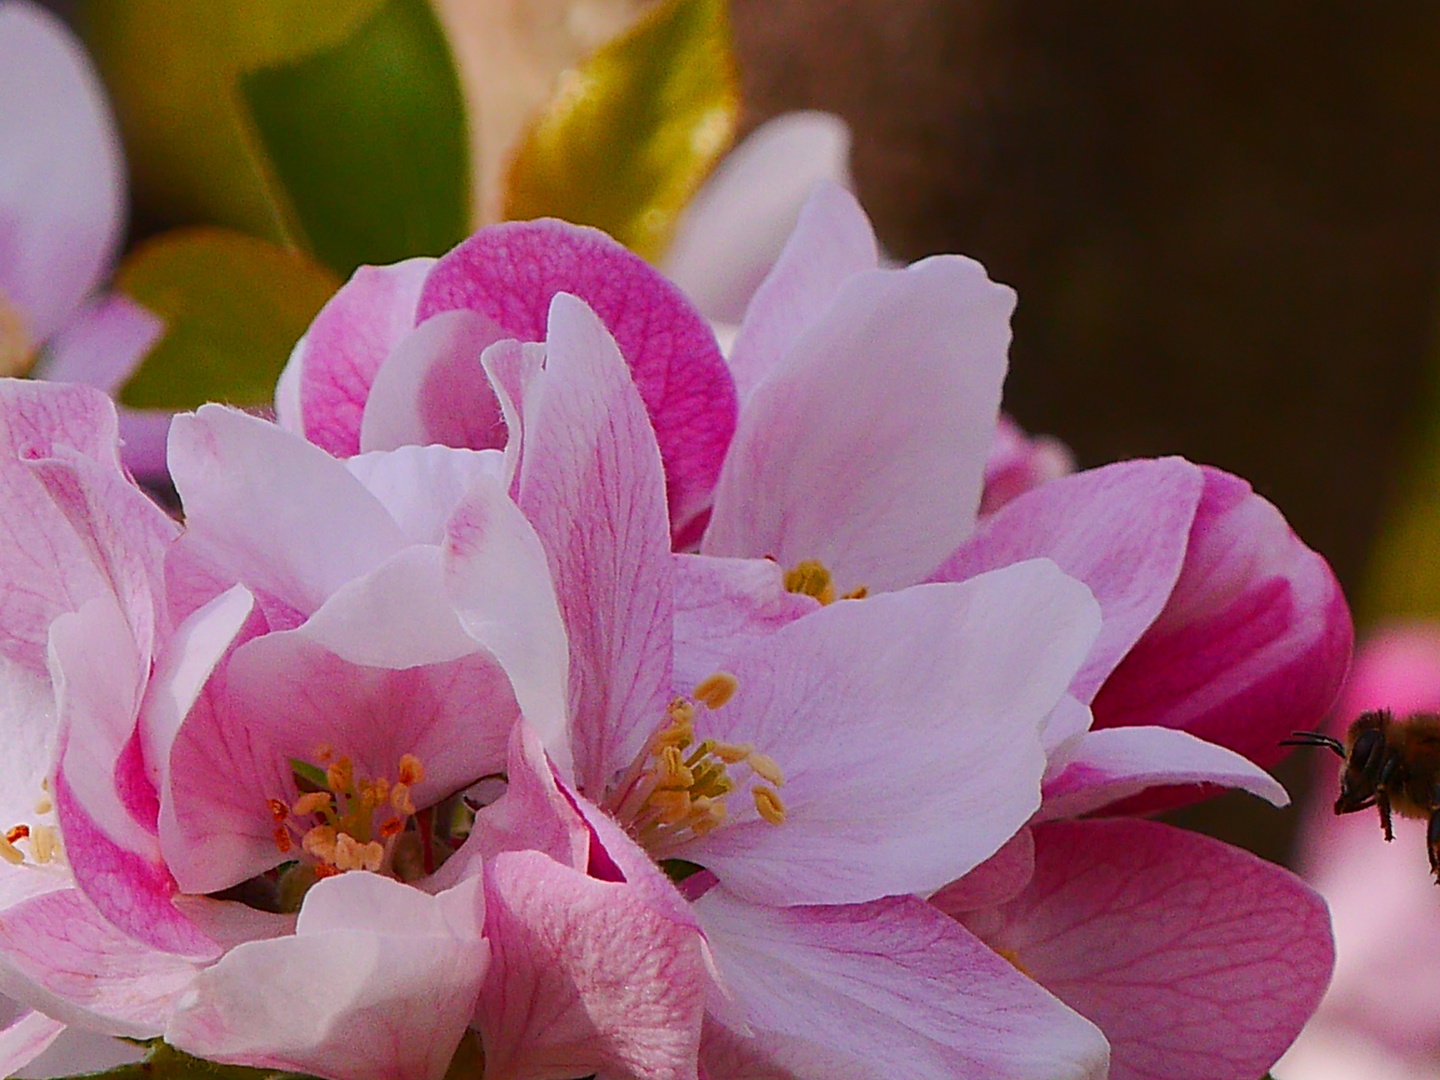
x=1432 y=839
x=1382 y=793
x=1382 y=800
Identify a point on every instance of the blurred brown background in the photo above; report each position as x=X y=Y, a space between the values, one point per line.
x=1222 y=217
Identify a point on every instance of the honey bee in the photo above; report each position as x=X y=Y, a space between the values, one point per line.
x=1391 y=764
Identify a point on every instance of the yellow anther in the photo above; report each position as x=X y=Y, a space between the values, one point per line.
x=278 y=810
x=314 y=802
x=765 y=768
x=282 y=839
x=366 y=791
x=715 y=690
x=349 y=854
x=810 y=578
x=400 y=799
x=391 y=827
x=672 y=806
x=769 y=805
x=42 y=843
x=708 y=813
x=340 y=775
x=732 y=753
x=43 y=805
x=324 y=753
x=411 y=771
x=10 y=853
x=382 y=791
x=19 y=832
x=372 y=855
x=671 y=771
x=858 y=593
x=681 y=712
x=320 y=842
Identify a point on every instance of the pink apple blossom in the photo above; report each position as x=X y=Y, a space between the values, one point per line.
x=62 y=219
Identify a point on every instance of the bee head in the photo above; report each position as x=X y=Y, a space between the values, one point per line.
x=1361 y=779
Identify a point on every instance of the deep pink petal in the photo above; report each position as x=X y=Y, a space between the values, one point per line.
x=1254 y=641
x=592 y=484
x=1198 y=960
x=1397 y=668
x=585 y=978
x=722 y=606
x=865 y=448
x=896 y=985
x=432 y=389
x=1122 y=530
x=334 y=364
x=893 y=719
x=1019 y=462
x=80 y=967
x=1118 y=763
x=280 y=515
x=511 y=272
x=736 y=226
x=831 y=243
x=998 y=879
x=377 y=983
x=62 y=174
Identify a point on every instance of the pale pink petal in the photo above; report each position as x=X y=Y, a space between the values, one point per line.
x=1117 y=763
x=831 y=243
x=1397 y=668
x=513 y=367
x=1019 y=462
x=737 y=225
x=585 y=978
x=892 y=719
x=498 y=581
x=866 y=448
x=722 y=606
x=285 y=697
x=25 y=1038
x=592 y=484
x=378 y=983
x=79 y=967
x=102 y=345
x=279 y=514
x=511 y=272
x=422 y=485
x=1198 y=960
x=339 y=355
x=432 y=388
x=996 y=880
x=62 y=174
x=614 y=856
x=898 y=986
x=79 y=1052
x=1122 y=530
x=1254 y=641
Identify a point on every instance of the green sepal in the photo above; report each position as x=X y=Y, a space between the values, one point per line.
x=163 y=1062
x=368 y=140
x=633 y=133
x=311 y=774
x=233 y=308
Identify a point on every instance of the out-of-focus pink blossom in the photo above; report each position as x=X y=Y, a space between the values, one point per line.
x=1379 y=1018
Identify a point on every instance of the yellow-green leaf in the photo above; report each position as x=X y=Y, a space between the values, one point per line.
x=634 y=131
x=233 y=307
x=171 y=68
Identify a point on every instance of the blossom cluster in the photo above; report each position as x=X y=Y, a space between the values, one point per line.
x=541 y=673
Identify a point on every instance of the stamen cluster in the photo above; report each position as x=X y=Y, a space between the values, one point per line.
x=42 y=840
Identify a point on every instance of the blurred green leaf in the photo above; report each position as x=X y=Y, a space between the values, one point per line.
x=632 y=133
x=163 y=1062
x=368 y=140
x=233 y=306
x=171 y=68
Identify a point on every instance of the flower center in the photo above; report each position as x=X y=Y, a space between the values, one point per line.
x=810 y=578
x=675 y=790
x=41 y=840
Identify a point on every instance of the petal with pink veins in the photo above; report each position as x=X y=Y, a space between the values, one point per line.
x=25 y=1038
x=432 y=388
x=722 y=606
x=1253 y=642
x=998 y=879
x=512 y=367
x=511 y=272
x=64 y=956
x=1116 y=763
x=1198 y=960
x=865 y=449
x=585 y=978
x=737 y=225
x=62 y=176
x=1121 y=529
x=333 y=366
x=592 y=484
x=378 y=983
x=897 y=987
x=421 y=486
x=832 y=242
x=892 y=719
x=278 y=513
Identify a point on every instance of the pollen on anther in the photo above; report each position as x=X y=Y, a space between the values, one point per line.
x=391 y=827
x=19 y=832
x=766 y=768
x=411 y=771
x=715 y=690
x=43 y=805
x=278 y=810
x=10 y=853
x=313 y=802
x=282 y=839
x=339 y=775
x=769 y=805
x=42 y=844
x=400 y=799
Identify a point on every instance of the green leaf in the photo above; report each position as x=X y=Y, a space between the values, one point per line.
x=163 y=1062
x=368 y=139
x=171 y=68
x=631 y=135
x=233 y=307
